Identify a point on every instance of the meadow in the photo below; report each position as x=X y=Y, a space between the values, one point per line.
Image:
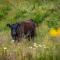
x=46 y=14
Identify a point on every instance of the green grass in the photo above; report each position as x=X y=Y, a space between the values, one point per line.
x=43 y=48
x=46 y=13
x=39 y=11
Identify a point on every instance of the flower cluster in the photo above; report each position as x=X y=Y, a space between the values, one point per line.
x=35 y=45
x=54 y=32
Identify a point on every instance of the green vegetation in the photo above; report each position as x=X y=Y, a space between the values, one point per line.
x=45 y=13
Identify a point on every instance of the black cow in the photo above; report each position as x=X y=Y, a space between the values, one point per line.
x=25 y=28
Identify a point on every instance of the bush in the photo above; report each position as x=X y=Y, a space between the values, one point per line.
x=19 y=14
x=4 y=11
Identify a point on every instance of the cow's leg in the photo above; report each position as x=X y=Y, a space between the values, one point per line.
x=28 y=35
x=16 y=39
x=32 y=35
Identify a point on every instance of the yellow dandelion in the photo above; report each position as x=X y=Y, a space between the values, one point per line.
x=58 y=32
x=53 y=32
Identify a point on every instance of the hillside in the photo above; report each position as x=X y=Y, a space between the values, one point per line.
x=12 y=11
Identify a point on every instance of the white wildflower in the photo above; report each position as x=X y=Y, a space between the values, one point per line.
x=44 y=46
x=40 y=45
x=5 y=48
x=30 y=47
x=12 y=41
x=35 y=44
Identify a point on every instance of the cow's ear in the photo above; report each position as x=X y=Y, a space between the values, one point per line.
x=9 y=25
x=18 y=24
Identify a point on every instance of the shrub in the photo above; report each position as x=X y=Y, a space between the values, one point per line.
x=19 y=14
x=4 y=11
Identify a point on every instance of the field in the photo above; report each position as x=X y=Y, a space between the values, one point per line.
x=46 y=14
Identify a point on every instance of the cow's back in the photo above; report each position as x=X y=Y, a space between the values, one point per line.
x=26 y=28
x=28 y=25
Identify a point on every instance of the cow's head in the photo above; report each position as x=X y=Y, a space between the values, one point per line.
x=13 y=28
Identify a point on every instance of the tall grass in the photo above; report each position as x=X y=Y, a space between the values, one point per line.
x=43 y=48
x=46 y=13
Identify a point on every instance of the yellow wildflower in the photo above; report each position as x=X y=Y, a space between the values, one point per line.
x=53 y=32
x=58 y=31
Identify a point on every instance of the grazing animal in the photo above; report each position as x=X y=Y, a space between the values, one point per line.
x=25 y=28
x=13 y=28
